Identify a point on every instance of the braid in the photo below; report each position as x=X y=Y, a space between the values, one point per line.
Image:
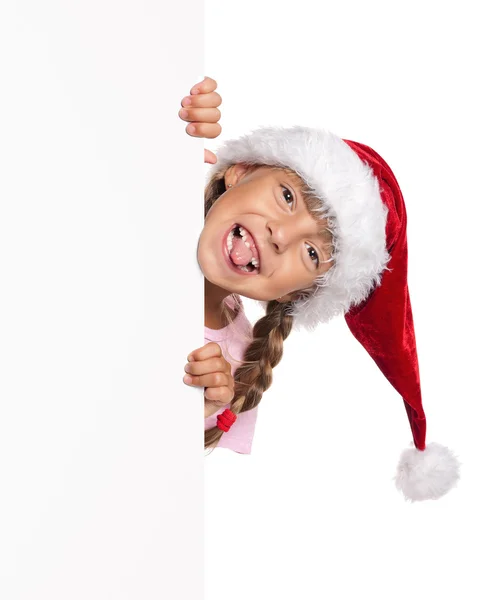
x=254 y=377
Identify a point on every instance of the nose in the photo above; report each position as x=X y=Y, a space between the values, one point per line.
x=281 y=234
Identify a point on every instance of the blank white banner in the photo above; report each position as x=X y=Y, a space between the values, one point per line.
x=101 y=191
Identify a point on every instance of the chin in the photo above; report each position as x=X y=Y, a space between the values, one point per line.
x=252 y=295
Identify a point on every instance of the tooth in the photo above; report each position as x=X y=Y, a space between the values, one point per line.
x=245 y=237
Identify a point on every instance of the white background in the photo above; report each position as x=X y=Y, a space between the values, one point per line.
x=101 y=472
x=313 y=511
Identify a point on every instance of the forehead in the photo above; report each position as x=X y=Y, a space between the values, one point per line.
x=292 y=177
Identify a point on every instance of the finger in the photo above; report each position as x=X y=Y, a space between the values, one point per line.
x=207 y=351
x=204 y=130
x=222 y=395
x=215 y=364
x=209 y=157
x=202 y=101
x=200 y=115
x=209 y=380
x=204 y=87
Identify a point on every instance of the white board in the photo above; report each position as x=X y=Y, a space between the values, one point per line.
x=101 y=472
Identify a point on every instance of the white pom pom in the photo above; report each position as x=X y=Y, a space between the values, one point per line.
x=427 y=474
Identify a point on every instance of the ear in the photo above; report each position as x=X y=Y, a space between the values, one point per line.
x=236 y=172
x=290 y=297
x=295 y=295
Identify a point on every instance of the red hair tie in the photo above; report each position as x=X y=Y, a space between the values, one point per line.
x=226 y=419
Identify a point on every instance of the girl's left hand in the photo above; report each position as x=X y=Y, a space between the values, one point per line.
x=210 y=370
x=200 y=110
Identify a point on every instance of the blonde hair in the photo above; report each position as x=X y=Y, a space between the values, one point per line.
x=253 y=376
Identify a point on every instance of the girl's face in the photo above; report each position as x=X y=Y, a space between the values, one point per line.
x=287 y=246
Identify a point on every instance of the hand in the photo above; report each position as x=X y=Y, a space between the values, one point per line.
x=209 y=369
x=202 y=113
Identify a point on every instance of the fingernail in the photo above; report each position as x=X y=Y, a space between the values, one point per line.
x=191 y=129
x=190 y=358
x=187 y=101
x=183 y=113
x=187 y=379
x=195 y=91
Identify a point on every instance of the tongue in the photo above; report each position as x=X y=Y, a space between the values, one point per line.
x=240 y=253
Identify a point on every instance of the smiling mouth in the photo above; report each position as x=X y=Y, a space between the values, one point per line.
x=241 y=250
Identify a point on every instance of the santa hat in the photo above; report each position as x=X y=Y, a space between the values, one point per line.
x=368 y=280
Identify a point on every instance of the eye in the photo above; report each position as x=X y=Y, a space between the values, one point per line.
x=315 y=255
x=289 y=193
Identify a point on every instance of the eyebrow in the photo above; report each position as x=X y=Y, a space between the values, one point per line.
x=326 y=242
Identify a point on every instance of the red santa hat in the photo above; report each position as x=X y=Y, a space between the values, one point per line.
x=367 y=282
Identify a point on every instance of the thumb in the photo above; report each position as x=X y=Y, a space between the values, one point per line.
x=210 y=157
x=210 y=408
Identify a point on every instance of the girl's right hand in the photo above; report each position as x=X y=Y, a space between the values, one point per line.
x=200 y=110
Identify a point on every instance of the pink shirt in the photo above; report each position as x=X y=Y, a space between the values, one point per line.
x=234 y=339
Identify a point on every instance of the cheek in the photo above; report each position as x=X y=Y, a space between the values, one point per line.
x=201 y=253
x=198 y=246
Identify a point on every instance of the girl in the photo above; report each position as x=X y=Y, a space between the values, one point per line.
x=311 y=226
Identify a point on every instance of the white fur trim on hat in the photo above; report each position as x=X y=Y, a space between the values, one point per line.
x=427 y=474
x=351 y=201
